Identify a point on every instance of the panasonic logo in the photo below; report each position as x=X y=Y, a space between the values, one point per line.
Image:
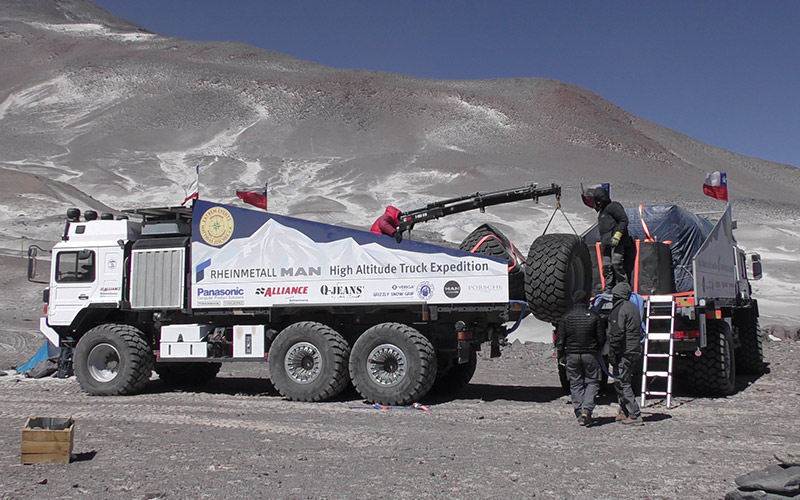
x=224 y=292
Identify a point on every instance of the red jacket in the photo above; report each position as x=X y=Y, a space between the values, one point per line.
x=386 y=223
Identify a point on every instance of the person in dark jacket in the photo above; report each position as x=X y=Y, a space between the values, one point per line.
x=386 y=223
x=580 y=336
x=619 y=251
x=625 y=343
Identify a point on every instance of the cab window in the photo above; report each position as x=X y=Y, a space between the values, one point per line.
x=75 y=267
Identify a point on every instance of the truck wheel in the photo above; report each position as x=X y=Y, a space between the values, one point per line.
x=187 y=374
x=750 y=353
x=714 y=372
x=112 y=360
x=308 y=362
x=393 y=364
x=557 y=266
x=452 y=376
x=488 y=240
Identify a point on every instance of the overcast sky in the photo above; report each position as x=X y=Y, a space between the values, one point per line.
x=723 y=72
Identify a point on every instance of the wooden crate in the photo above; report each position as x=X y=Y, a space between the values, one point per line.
x=47 y=440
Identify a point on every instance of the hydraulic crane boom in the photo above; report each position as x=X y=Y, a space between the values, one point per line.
x=478 y=200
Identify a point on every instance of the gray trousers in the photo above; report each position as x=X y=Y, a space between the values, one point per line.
x=618 y=263
x=583 y=372
x=623 y=373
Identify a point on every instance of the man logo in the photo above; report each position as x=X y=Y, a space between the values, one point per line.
x=452 y=289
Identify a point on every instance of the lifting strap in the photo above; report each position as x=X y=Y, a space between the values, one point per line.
x=558 y=209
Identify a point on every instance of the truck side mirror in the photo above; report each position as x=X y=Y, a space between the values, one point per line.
x=755 y=263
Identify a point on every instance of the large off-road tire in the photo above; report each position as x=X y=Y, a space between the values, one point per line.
x=714 y=372
x=488 y=240
x=452 y=376
x=557 y=266
x=112 y=360
x=308 y=362
x=750 y=353
x=181 y=375
x=393 y=364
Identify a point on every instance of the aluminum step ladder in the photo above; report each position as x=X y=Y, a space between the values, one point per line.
x=659 y=329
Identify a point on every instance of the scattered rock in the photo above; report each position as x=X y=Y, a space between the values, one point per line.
x=789 y=457
x=757 y=495
x=773 y=479
x=780 y=332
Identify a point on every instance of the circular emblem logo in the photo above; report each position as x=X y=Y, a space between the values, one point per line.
x=425 y=290
x=216 y=226
x=452 y=289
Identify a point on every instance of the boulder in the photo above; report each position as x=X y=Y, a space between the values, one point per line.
x=757 y=495
x=773 y=479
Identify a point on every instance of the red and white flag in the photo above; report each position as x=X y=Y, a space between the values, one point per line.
x=193 y=191
x=255 y=198
x=716 y=185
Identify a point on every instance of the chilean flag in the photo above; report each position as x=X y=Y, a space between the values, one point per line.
x=255 y=198
x=193 y=190
x=716 y=185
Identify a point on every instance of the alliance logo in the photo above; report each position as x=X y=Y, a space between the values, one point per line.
x=269 y=291
x=425 y=290
x=452 y=289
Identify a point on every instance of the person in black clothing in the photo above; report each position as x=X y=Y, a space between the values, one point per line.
x=618 y=248
x=625 y=342
x=580 y=336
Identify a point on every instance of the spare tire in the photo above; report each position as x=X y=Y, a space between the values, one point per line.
x=557 y=266
x=488 y=240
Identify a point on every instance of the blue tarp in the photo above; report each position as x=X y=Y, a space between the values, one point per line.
x=47 y=351
x=684 y=231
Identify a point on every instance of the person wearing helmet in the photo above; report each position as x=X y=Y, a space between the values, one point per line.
x=387 y=223
x=617 y=245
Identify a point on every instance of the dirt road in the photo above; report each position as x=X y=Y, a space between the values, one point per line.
x=509 y=435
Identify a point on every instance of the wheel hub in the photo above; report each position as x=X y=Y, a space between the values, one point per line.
x=303 y=363
x=103 y=362
x=387 y=365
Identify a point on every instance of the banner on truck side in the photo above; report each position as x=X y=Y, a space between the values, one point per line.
x=243 y=258
x=715 y=262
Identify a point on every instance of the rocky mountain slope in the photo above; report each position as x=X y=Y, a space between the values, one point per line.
x=96 y=111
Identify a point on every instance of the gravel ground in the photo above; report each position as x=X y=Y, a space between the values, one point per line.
x=510 y=434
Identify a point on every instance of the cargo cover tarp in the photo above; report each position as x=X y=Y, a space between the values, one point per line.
x=684 y=231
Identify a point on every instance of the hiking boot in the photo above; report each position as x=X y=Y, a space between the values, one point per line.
x=620 y=417
x=632 y=421
x=587 y=419
x=582 y=420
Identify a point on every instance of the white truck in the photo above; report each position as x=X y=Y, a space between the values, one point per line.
x=181 y=290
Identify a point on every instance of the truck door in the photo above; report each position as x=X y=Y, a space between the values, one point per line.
x=73 y=285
